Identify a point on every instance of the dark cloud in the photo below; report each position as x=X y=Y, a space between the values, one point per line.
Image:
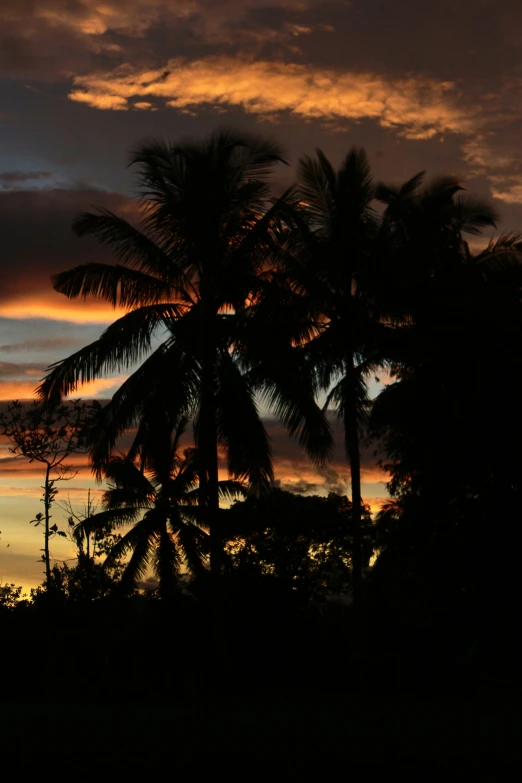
x=297 y=474
x=49 y=39
x=21 y=369
x=37 y=239
x=301 y=487
x=14 y=179
x=151 y=583
x=52 y=344
x=399 y=78
x=455 y=39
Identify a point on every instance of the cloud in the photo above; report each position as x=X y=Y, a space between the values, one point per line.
x=56 y=307
x=13 y=179
x=25 y=390
x=294 y=471
x=47 y=39
x=334 y=63
x=16 y=369
x=416 y=106
x=37 y=241
x=92 y=18
x=49 y=344
x=19 y=381
x=78 y=493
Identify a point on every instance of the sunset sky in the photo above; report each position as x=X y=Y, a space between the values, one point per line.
x=432 y=85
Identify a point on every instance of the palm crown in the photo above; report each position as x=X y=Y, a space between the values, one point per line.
x=190 y=272
x=160 y=500
x=331 y=252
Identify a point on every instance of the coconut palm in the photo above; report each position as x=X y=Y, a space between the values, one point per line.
x=186 y=275
x=449 y=421
x=160 y=497
x=430 y=288
x=336 y=230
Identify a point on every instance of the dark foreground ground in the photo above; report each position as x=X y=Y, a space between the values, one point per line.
x=138 y=691
x=269 y=734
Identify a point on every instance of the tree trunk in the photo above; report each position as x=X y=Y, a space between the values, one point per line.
x=351 y=434
x=47 y=532
x=209 y=448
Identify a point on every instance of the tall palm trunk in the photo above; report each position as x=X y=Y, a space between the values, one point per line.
x=427 y=385
x=351 y=434
x=209 y=448
x=209 y=443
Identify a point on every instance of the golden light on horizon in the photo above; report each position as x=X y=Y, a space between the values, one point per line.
x=56 y=307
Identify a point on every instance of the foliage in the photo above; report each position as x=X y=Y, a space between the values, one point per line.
x=331 y=260
x=275 y=300
x=190 y=272
x=448 y=420
x=88 y=579
x=49 y=435
x=159 y=501
x=302 y=546
x=10 y=595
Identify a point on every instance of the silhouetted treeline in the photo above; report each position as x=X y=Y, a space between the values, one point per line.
x=281 y=300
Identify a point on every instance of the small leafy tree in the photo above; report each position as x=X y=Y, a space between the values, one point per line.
x=10 y=595
x=302 y=546
x=88 y=579
x=48 y=435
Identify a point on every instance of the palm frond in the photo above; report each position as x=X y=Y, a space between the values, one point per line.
x=167 y=381
x=471 y=214
x=123 y=343
x=141 y=540
x=116 y=284
x=135 y=249
x=166 y=562
x=123 y=475
x=113 y=517
x=240 y=430
x=501 y=260
x=317 y=190
x=193 y=543
x=290 y=394
x=231 y=490
x=400 y=195
x=350 y=395
x=355 y=188
x=252 y=250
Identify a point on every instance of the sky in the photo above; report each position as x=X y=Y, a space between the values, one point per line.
x=433 y=85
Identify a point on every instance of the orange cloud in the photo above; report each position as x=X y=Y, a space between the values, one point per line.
x=10 y=465
x=74 y=493
x=25 y=390
x=56 y=307
x=417 y=107
x=507 y=185
x=94 y=18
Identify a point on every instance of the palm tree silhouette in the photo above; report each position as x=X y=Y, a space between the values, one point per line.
x=160 y=497
x=428 y=287
x=336 y=230
x=208 y=229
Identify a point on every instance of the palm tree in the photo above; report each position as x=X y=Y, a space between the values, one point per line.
x=336 y=230
x=429 y=287
x=160 y=498
x=188 y=274
x=452 y=416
